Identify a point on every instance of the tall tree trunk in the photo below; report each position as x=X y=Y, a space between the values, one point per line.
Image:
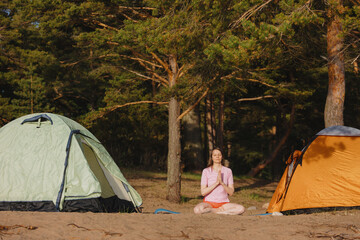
x=31 y=94
x=210 y=124
x=220 y=132
x=229 y=148
x=192 y=150
x=334 y=107
x=174 y=151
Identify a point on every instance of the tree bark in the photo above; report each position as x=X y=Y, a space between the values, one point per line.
x=334 y=107
x=210 y=132
x=174 y=145
x=31 y=95
x=220 y=132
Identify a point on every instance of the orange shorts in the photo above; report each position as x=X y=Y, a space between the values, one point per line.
x=215 y=204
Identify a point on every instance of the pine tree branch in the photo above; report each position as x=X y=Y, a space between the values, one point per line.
x=88 y=58
x=59 y=94
x=113 y=43
x=348 y=45
x=141 y=60
x=96 y=22
x=162 y=64
x=154 y=73
x=356 y=2
x=355 y=59
x=113 y=108
x=12 y=59
x=254 y=98
x=134 y=10
x=181 y=72
x=137 y=8
x=161 y=80
x=255 y=80
x=193 y=90
x=194 y=105
x=249 y=13
x=129 y=18
x=166 y=66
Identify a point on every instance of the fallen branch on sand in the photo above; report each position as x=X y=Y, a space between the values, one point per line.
x=3 y=229
x=341 y=236
x=101 y=230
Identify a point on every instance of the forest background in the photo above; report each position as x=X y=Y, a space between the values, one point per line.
x=161 y=83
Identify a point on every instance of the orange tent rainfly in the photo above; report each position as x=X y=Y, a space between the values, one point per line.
x=326 y=173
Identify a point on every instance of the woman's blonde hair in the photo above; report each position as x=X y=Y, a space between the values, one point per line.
x=211 y=162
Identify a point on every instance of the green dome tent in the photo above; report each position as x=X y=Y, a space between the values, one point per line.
x=51 y=163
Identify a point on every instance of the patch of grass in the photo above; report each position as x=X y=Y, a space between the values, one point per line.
x=191 y=176
x=255 y=196
x=185 y=199
x=140 y=173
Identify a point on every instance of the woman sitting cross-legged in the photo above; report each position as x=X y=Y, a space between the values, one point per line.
x=216 y=185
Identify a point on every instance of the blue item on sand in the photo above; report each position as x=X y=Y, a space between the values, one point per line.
x=162 y=210
x=263 y=214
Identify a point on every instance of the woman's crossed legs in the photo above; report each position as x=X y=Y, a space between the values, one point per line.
x=227 y=208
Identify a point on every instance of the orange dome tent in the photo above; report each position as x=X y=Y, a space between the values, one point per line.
x=326 y=173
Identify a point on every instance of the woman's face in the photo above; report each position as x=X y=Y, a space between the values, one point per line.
x=216 y=156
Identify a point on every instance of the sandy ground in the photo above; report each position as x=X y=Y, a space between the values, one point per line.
x=251 y=193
